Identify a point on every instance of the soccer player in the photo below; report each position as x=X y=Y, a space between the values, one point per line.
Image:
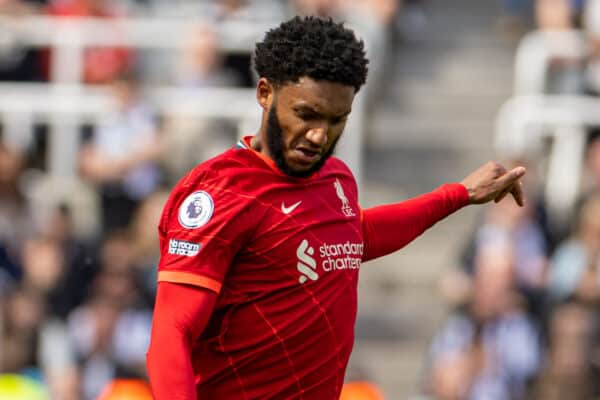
x=261 y=246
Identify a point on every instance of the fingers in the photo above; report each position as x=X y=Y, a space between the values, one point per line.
x=493 y=181
x=507 y=180
x=511 y=176
x=515 y=189
x=517 y=193
x=502 y=195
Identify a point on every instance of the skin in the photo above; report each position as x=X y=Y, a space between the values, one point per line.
x=312 y=115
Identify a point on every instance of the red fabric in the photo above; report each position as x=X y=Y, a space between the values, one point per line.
x=390 y=227
x=285 y=253
x=180 y=316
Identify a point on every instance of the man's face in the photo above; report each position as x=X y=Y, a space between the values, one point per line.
x=304 y=123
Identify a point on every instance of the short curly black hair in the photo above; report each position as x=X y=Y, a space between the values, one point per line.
x=318 y=48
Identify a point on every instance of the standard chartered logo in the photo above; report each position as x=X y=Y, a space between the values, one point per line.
x=306 y=263
x=338 y=256
x=332 y=257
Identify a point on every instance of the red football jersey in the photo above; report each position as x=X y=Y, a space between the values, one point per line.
x=283 y=254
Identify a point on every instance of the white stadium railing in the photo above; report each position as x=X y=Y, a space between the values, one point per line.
x=66 y=107
x=69 y=36
x=525 y=121
x=65 y=102
x=537 y=49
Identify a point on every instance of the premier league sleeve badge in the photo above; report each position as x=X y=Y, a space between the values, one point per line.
x=196 y=210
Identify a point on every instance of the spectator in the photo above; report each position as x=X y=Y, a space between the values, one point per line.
x=202 y=63
x=145 y=241
x=237 y=64
x=122 y=158
x=15 y=221
x=503 y=223
x=322 y=8
x=57 y=360
x=591 y=27
x=452 y=375
x=575 y=266
x=412 y=20
x=383 y=11
x=23 y=310
x=197 y=139
x=51 y=273
x=571 y=371
x=591 y=178
x=18 y=62
x=554 y=15
x=514 y=17
x=19 y=8
x=105 y=337
x=524 y=233
x=565 y=73
x=492 y=349
x=248 y=10
x=43 y=265
x=79 y=261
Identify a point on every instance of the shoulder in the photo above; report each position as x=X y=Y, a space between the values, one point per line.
x=223 y=171
x=217 y=180
x=337 y=167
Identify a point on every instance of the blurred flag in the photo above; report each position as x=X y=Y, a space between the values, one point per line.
x=18 y=387
x=126 y=389
x=360 y=391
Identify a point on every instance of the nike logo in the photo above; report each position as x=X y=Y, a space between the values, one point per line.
x=288 y=210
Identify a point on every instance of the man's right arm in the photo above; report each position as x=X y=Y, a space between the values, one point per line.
x=181 y=313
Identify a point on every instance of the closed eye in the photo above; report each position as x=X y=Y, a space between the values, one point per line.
x=338 y=120
x=307 y=115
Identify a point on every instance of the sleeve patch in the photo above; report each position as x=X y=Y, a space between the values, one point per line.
x=196 y=210
x=184 y=248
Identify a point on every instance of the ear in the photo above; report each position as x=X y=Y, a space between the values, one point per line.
x=265 y=93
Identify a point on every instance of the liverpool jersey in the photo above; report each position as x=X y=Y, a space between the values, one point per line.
x=283 y=254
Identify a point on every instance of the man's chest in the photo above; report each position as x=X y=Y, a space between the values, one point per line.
x=306 y=235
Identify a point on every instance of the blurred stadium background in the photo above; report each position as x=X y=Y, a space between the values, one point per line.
x=105 y=104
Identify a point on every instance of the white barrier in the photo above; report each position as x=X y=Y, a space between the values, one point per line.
x=66 y=107
x=524 y=122
x=536 y=50
x=69 y=100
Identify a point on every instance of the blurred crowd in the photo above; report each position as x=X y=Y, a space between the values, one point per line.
x=525 y=299
x=78 y=265
x=525 y=307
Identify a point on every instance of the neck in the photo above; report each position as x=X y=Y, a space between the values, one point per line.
x=256 y=143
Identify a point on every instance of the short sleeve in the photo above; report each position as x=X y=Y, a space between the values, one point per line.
x=202 y=228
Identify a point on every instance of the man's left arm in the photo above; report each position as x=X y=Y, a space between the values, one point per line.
x=390 y=227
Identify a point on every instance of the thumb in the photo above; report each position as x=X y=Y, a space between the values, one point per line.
x=511 y=176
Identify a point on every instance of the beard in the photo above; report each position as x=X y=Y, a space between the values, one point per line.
x=276 y=145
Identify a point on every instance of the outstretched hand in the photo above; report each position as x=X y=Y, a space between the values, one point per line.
x=492 y=181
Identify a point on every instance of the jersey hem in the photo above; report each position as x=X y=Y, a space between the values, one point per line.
x=189 y=279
